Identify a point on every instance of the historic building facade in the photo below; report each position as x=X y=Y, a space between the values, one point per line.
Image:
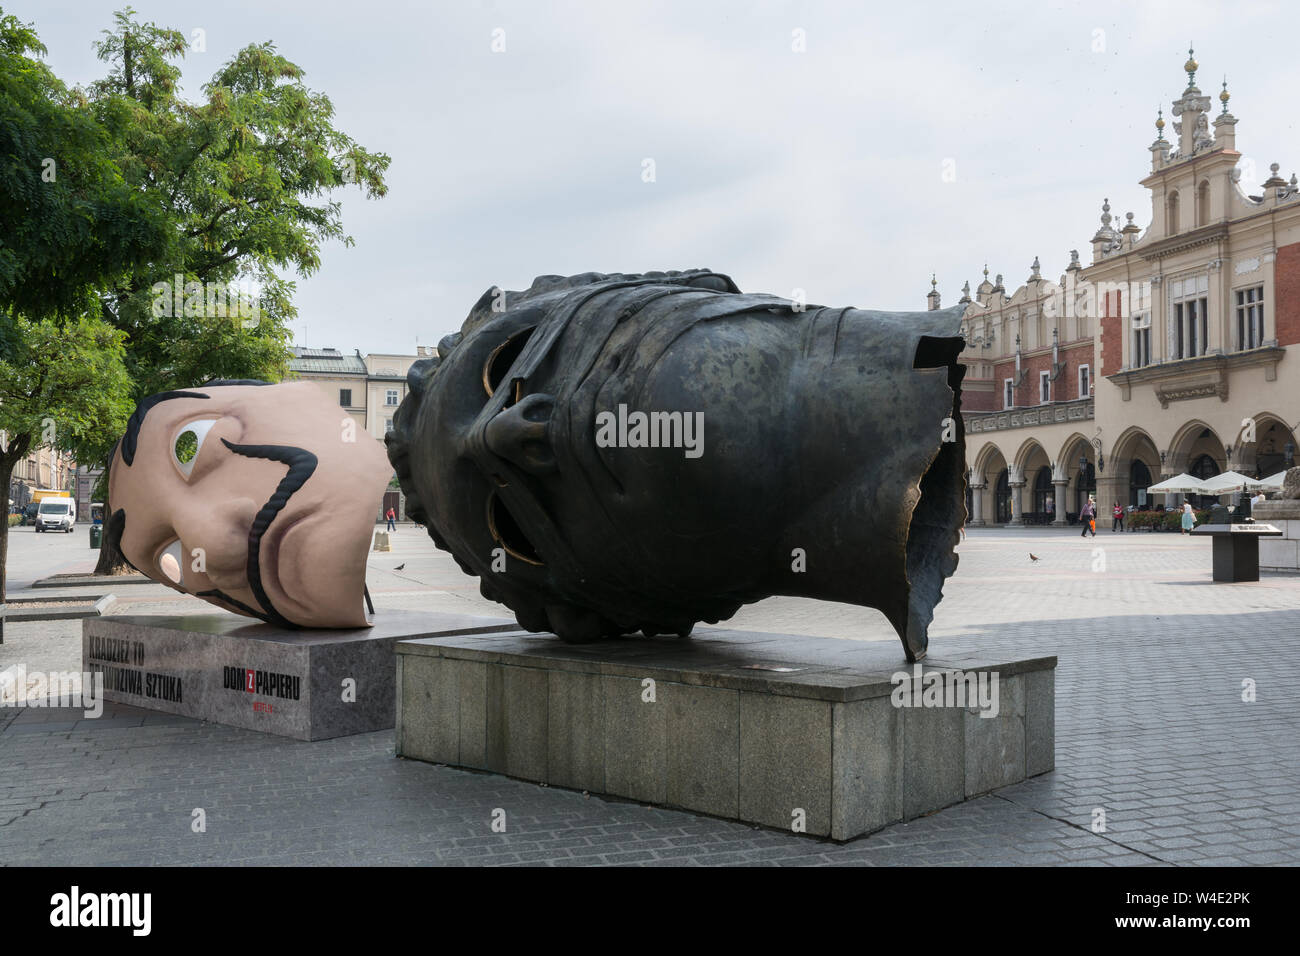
x=1166 y=354
x=368 y=388
x=42 y=468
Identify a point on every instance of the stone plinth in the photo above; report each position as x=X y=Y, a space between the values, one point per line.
x=1279 y=554
x=229 y=670
x=777 y=730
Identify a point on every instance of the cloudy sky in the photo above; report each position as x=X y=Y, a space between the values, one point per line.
x=822 y=170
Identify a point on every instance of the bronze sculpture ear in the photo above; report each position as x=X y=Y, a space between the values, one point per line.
x=613 y=453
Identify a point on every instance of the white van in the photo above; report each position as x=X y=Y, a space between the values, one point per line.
x=56 y=514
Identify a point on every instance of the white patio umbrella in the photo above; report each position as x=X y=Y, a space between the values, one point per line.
x=1271 y=483
x=1183 y=484
x=1225 y=483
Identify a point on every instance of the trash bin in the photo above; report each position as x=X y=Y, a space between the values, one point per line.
x=96 y=535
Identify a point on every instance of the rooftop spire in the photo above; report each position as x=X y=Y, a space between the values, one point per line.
x=1191 y=66
x=1225 y=95
x=1160 y=123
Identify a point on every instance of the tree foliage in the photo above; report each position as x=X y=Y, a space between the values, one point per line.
x=69 y=220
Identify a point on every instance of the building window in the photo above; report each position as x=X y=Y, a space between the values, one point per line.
x=1044 y=388
x=388 y=425
x=1188 y=320
x=345 y=397
x=1085 y=382
x=391 y=397
x=1141 y=340
x=1008 y=393
x=1250 y=318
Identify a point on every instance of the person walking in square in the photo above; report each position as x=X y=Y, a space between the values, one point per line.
x=1189 y=518
x=1088 y=518
x=392 y=519
x=1117 y=518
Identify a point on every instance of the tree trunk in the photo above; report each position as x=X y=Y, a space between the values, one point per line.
x=111 y=560
x=6 y=473
x=8 y=458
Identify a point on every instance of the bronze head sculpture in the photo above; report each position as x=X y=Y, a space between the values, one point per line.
x=613 y=453
x=257 y=498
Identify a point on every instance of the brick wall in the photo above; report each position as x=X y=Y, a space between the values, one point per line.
x=1286 y=296
x=1112 y=333
x=1065 y=388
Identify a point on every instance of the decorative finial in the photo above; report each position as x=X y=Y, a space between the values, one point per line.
x=1105 y=212
x=1036 y=268
x=934 y=283
x=1160 y=123
x=1225 y=95
x=986 y=270
x=1074 y=256
x=1191 y=66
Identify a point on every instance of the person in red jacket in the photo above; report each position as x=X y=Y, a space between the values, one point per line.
x=391 y=515
x=1117 y=517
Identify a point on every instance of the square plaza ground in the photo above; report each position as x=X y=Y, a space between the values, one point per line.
x=1151 y=728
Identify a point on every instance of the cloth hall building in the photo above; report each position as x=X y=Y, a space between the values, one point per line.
x=1177 y=349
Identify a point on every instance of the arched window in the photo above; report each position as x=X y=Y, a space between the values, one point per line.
x=1139 y=480
x=1171 y=213
x=1043 y=490
x=1002 y=499
x=1203 y=203
x=1204 y=467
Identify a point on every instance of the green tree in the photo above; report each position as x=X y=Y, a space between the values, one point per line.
x=69 y=220
x=63 y=385
x=244 y=178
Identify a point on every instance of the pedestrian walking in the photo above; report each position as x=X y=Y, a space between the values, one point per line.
x=1117 y=518
x=1088 y=518
x=1189 y=518
x=392 y=519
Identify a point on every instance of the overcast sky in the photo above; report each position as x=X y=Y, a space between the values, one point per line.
x=820 y=170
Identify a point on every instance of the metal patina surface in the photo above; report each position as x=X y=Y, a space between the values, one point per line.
x=614 y=453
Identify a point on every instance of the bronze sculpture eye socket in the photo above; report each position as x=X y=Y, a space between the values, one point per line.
x=503 y=357
x=506 y=532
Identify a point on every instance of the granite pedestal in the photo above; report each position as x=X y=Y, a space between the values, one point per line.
x=801 y=733
x=1280 y=553
x=1236 y=548
x=309 y=685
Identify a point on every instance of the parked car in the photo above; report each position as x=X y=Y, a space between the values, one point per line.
x=56 y=514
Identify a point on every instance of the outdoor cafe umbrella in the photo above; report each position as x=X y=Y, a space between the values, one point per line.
x=1183 y=484
x=1271 y=483
x=1225 y=483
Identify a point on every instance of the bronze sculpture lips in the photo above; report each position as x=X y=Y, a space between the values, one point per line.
x=833 y=434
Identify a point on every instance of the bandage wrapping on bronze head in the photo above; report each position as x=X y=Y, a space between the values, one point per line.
x=613 y=453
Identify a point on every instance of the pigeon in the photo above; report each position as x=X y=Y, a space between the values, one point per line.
x=403 y=564
x=1032 y=556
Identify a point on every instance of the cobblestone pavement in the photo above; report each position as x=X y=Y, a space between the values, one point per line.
x=1151 y=729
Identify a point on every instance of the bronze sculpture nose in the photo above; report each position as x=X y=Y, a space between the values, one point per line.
x=518 y=433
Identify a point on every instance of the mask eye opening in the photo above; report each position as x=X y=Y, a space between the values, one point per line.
x=506 y=532
x=503 y=357
x=188 y=442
